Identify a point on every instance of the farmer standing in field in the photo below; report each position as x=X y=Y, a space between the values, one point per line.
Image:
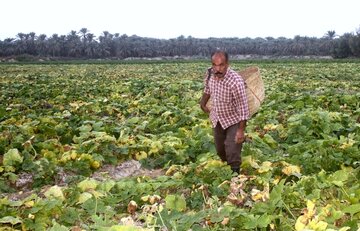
x=229 y=108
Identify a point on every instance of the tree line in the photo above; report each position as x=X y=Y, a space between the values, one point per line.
x=84 y=45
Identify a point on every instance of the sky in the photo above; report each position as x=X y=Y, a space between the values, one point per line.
x=166 y=19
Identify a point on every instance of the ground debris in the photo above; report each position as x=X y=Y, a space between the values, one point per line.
x=126 y=169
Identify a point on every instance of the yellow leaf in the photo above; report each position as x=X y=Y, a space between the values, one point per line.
x=344 y=229
x=318 y=226
x=145 y=198
x=55 y=192
x=214 y=164
x=249 y=161
x=255 y=194
x=97 y=194
x=299 y=225
x=292 y=170
x=173 y=169
x=265 y=167
x=73 y=155
x=88 y=184
x=270 y=127
x=140 y=155
x=276 y=180
x=84 y=197
x=29 y=204
x=347 y=144
x=310 y=209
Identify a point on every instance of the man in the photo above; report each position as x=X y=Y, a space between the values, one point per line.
x=229 y=111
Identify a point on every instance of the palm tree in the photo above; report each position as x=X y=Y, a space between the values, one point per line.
x=54 y=45
x=106 y=44
x=8 y=47
x=90 y=45
x=83 y=32
x=41 y=45
x=20 y=44
x=73 y=43
x=330 y=34
x=30 y=43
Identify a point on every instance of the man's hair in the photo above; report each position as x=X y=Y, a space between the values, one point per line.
x=220 y=52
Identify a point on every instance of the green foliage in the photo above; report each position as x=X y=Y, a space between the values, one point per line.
x=175 y=202
x=12 y=157
x=300 y=164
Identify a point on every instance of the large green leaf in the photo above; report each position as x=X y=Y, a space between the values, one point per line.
x=88 y=184
x=12 y=157
x=175 y=202
x=352 y=209
x=10 y=220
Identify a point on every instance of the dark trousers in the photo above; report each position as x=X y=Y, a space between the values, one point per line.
x=226 y=147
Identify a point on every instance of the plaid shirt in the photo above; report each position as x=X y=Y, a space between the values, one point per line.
x=228 y=98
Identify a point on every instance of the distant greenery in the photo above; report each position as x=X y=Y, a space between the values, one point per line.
x=85 y=45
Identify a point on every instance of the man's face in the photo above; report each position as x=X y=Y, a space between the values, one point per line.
x=219 y=65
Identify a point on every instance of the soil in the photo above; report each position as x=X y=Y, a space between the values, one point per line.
x=130 y=168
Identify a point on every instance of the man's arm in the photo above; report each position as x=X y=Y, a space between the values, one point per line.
x=240 y=133
x=204 y=99
x=242 y=103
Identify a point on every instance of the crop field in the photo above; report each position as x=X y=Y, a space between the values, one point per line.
x=69 y=132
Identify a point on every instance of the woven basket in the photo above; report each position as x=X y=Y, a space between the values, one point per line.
x=254 y=86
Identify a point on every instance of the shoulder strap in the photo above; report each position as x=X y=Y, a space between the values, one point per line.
x=209 y=73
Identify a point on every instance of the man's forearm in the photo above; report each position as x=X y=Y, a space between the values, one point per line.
x=242 y=125
x=204 y=99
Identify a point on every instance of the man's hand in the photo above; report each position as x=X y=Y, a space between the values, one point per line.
x=205 y=109
x=240 y=136
x=240 y=133
x=203 y=102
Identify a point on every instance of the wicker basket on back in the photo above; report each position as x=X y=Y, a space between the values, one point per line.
x=255 y=91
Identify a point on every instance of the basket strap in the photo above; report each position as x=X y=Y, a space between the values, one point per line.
x=209 y=73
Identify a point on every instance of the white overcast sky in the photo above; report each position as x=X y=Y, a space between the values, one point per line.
x=172 y=18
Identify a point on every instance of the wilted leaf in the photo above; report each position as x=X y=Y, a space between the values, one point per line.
x=292 y=170
x=55 y=192
x=132 y=206
x=257 y=195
